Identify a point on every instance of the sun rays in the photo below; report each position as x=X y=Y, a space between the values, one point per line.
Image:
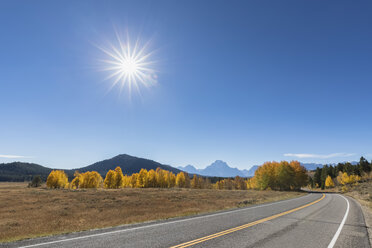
x=129 y=65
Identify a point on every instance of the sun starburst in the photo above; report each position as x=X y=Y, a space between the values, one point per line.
x=129 y=65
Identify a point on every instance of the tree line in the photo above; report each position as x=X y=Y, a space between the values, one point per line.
x=341 y=174
x=271 y=175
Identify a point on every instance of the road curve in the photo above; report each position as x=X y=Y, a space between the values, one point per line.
x=314 y=220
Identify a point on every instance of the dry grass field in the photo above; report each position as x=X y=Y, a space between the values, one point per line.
x=31 y=212
x=363 y=193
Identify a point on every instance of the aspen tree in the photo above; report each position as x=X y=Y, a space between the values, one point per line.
x=142 y=179
x=109 y=181
x=151 y=178
x=119 y=178
x=57 y=179
x=329 y=182
x=181 y=180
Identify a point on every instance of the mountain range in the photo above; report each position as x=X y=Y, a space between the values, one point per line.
x=22 y=171
x=219 y=168
x=222 y=169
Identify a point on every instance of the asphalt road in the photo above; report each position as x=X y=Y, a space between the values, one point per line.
x=314 y=220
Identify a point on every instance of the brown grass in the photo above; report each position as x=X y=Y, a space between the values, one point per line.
x=31 y=212
x=363 y=193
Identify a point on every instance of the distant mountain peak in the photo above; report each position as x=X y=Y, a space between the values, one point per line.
x=123 y=156
x=218 y=168
x=219 y=163
x=189 y=166
x=189 y=169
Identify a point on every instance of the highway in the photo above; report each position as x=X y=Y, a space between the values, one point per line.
x=313 y=220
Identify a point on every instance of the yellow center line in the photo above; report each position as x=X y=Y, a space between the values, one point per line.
x=219 y=234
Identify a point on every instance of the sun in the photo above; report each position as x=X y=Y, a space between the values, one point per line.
x=129 y=65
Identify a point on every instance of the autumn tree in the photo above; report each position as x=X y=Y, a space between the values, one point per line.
x=119 y=178
x=161 y=178
x=240 y=183
x=127 y=181
x=300 y=175
x=142 y=179
x=133 y=180
x=329 y=182
x=265 y=175
x=284 y=176
x=171 y=179
x=90 y=179
x=151 y=179
x=76 y=181
x=195 y=182
x=281 y=176
x=345 y=179
x=110 y=180
x=57 y=179
x=181 y=180
x=251 y=184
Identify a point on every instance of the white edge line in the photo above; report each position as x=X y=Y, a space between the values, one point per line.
x=333 y=241
x=159 y=224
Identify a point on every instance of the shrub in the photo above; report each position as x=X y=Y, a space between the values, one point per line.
x=36 y=182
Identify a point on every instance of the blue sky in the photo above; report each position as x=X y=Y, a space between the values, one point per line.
x=241 y=81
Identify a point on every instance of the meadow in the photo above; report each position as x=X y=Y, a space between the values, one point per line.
x=33 y=212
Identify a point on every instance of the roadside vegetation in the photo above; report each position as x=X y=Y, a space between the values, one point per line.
x=91 y=201
x=342 y=177
x=271 y=175
x=39 y=211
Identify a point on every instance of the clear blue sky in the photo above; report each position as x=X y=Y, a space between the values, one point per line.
x=241 y=81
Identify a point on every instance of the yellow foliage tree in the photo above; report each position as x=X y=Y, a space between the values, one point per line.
x=75 y=182
x=181 y=180
x=151 y=179
x=171 y=179
x=110 y=180
x=300 y=176
x=115 y=179
x=345 y=179
x=265 y=175
x=329 y=182
x=161 y=178
x=281 y=176
x=57 y=179
x=251 y=183
x=127 y=181
x=133 y=180
x=90 y=179
x=119 y=178
x=142 y=179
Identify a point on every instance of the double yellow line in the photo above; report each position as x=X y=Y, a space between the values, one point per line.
x=219 y=234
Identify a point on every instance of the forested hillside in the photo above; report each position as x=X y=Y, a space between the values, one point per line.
x=20 y=171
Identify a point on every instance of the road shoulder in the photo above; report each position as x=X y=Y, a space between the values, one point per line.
x=367 y=213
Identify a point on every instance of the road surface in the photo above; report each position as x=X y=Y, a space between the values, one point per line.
x=313 y=220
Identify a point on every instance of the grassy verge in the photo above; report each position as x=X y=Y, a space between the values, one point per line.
x=363 y=194
x=33 y=212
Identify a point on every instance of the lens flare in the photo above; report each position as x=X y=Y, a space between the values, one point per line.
x=129 y=65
